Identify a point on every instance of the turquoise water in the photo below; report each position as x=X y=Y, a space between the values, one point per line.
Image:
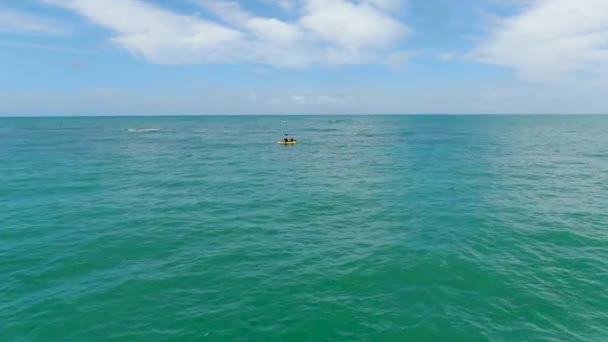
x=381 y=228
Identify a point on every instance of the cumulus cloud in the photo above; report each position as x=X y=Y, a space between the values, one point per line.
x=350 y=25
x=550 y=38
x=324 y=32
x=157 y=35
x=17 y=21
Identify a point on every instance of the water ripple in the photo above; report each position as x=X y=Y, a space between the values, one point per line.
x=372 y=228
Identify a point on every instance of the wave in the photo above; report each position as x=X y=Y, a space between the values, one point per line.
x=322 y=130
x=143 y=130
x=340 y=120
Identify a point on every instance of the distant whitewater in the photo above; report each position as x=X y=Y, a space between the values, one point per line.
x=143 y=130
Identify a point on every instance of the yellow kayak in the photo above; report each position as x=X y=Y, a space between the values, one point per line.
x=287 y=142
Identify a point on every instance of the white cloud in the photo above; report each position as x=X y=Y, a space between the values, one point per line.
x=265 y=29
x=331 y=100
x=349 y=25
x=551 y=38
x=159 y=36
x=17 y=21
x=298 y=99
x=455 y=97
x=325 y=32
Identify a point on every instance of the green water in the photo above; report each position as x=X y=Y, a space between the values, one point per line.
x=371 y=229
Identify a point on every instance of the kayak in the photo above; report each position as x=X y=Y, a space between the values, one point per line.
x=287 y=142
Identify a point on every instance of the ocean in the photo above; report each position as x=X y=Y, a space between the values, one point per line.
x=372 y=228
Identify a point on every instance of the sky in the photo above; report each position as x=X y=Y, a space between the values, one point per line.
x=191 y=57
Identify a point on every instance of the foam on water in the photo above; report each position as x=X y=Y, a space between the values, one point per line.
x=143 y=130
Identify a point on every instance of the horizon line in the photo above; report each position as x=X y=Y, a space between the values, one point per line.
x=12 y=116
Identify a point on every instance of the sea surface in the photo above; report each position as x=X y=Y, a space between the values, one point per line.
x=372 y=228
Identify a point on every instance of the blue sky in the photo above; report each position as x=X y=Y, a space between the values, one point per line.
x=137 y=57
